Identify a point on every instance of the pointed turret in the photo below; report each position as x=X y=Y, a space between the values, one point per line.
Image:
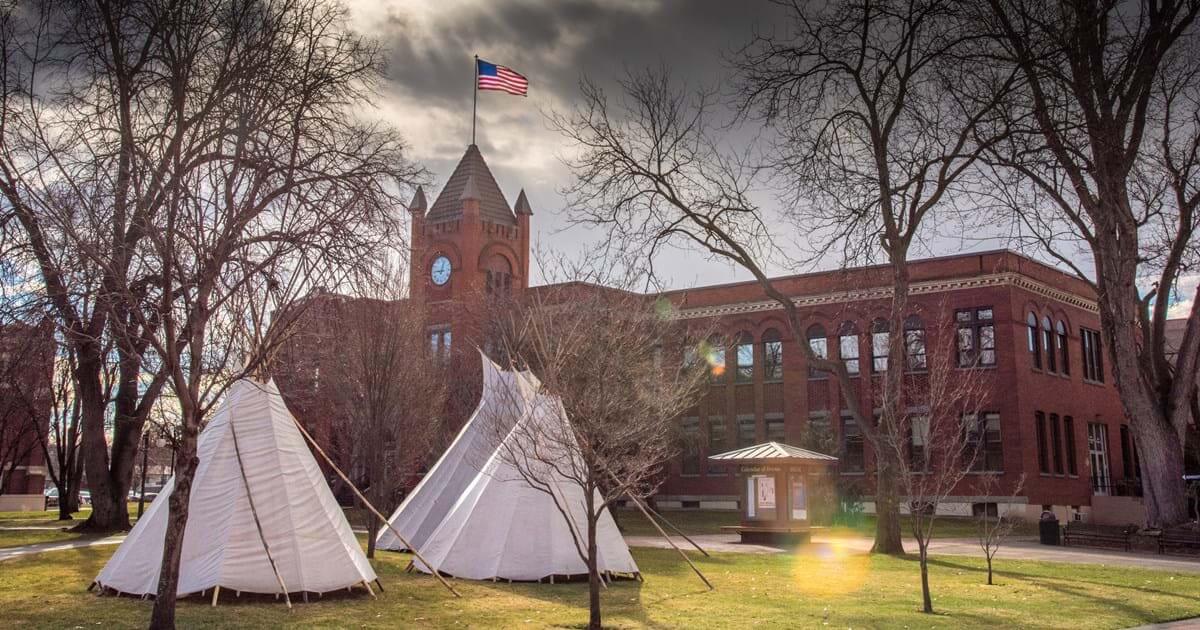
x=471 y=179
x=418 y=203
x=522 y=205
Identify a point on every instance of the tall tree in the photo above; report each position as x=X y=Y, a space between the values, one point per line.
x=870 y=146
x=1106 y=161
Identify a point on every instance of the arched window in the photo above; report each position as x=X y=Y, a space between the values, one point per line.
x=772 y=356
x=499 y=275
x=1064 y=356
x=848 y=347
x=744 y=355
x=819 y=345
x=1031 y=325
x=914 y=343
x=1048 y=344
x=880 y=340
x=714 y=355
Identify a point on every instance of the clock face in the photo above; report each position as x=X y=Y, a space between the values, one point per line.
x=440 y=271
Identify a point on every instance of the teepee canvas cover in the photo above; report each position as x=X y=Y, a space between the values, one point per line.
x=495 y=524
x=425 y=507
x=310 y=540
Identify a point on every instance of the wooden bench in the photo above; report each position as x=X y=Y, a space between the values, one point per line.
x=1187 y=540
x=1082 y=533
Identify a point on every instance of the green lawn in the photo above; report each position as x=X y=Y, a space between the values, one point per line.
x=808 y=588
x=710 y=522
x=10 y=537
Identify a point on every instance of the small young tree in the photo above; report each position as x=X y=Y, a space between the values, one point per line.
x=60 y=439
x=600 y=353
x=993 y=529
x=390 y=393
x=941 y=429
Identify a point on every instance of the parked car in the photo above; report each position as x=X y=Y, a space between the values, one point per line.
x=51 y=496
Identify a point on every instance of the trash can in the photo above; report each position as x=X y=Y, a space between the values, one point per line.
x=1048 y=528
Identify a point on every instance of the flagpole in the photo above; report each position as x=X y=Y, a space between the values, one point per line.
x=475 y=99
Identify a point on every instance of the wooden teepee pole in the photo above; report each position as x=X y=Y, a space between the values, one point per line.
x=371 y=507
x=672 y=526
x=668 y=538
x=257 y=524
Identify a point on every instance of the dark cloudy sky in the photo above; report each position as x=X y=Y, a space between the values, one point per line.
x=430 y=45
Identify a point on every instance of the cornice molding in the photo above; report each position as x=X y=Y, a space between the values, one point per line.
x=876 y=293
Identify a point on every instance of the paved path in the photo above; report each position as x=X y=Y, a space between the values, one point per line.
x=16 y=552
x=1017 y=549
x=40 y=528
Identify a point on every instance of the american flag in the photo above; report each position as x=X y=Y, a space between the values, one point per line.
x=494 y=77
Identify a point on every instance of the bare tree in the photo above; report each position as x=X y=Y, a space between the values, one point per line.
x=390 y=390
x=610 y=396
x=1106 y=162
x=275 y=187
x=994 y=529
x=871 y=148
x=941 y=429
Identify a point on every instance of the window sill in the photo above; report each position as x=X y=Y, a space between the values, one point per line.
x=990 y=366
x=1088 y=381
x=689 y=475
x=852 y=473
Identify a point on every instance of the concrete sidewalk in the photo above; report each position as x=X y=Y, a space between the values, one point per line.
x=17 y=552
x=1016 y=549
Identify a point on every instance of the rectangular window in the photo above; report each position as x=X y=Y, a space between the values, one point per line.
x=918 y=439
x=1043 y=455
x=983 y=442
x=1127 y=453
x=772 y=361
x=976 y=337
x=716 y=363
x=1093 y=358
x=439 y=342
x=1098 y=458
x=776 y=430
x=745 y=362
x=879 y=351
x=746 y=435
x=691 y=446
x=853 y=454
x=718 y=442
x=1069 y=433
x=1056 y=444
x=848 y=347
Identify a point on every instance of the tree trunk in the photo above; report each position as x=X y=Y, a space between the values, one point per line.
x=593 y=575
x=926 y=600
x=887 y=488
x=1159 y=443
x=989 y=563
x=109 y=512
x=887 y=507
x=372 y=532
x=163 y=616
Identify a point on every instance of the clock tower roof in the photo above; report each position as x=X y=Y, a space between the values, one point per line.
x=471 y=179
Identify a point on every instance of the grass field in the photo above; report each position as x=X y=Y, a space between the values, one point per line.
x=804 y=589
x=12 y=536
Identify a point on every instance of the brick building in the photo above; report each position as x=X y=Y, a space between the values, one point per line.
x=1027 y=330
x=26 y=370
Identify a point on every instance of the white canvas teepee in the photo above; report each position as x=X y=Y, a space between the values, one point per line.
x=310 y=541
x=494 y=523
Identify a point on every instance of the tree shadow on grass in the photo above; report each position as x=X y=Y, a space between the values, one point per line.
x=1121 y=600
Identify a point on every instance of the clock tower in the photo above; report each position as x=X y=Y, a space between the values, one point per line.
x=468 y=248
